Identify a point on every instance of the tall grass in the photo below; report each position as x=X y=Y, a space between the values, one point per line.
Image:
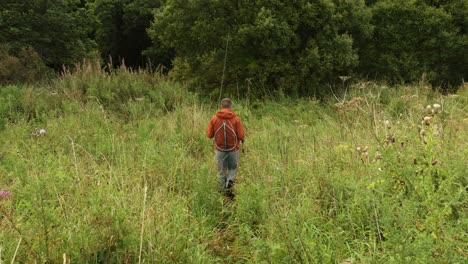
x=124 y=173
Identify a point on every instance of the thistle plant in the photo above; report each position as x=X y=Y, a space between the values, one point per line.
x=5 y=194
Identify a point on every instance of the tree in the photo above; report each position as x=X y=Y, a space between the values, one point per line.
x=121 y=32
x=22 y=66
x=287 y=46
x=57 y=29
x=412 y=39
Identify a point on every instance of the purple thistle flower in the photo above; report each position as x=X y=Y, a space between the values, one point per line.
x=5 y=194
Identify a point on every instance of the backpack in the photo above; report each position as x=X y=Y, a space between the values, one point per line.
x=225 y=129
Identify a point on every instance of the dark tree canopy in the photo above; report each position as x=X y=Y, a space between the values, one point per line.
x=121 y=32
x=289 y=46
x=57 y=29
x=412 y=39
x=269 y=47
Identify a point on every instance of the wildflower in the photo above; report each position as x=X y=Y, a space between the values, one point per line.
x=5 y=194
x=436 y=108
x=436 y=131
x=389 y=140
x=427 y=120
x=344 y=78
x=358 y=149
x=365 y=157
x=42 y=131
x=422 y=133
x=378 y=157
x=387 y=124
x=429 y=109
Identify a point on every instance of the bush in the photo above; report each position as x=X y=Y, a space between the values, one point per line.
x=413 y=39
x=272 y=47
x=24 y=66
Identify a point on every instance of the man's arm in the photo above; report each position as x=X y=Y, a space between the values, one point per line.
x=210 y=129
x=240 y=131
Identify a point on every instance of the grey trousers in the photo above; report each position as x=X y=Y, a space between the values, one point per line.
x=227 y=167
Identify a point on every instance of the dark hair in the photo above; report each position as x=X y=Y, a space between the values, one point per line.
x=226 y=103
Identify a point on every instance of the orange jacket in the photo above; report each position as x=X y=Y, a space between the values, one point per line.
x=233 y=125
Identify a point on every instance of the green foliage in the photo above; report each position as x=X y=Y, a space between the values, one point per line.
x=23 y=66
x=274 y=45
x=249 y=48
x=56 y=29
x=20 y=103
x=115 y=175
x=414 y=40
x=121 y=32
x=123 y=91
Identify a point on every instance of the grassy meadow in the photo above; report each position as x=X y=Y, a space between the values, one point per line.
x=123 y=173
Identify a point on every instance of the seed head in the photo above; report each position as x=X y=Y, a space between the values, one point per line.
x=429 y=109
x=378 y=157
x=344 y=78
x=437 y=108
x=436 y=130
x=387 y=124
x=427 y=120
x=422 y=132
x=358 y=149
x=42 y=131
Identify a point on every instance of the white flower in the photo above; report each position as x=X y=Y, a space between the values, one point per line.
x=387 y=124
x=358 y=149
x=42 y=131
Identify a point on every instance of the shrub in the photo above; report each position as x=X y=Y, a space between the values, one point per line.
x=24 y=66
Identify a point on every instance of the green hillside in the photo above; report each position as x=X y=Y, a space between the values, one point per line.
x=123 y=173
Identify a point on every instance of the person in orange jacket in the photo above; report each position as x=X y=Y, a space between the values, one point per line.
x=226 y=129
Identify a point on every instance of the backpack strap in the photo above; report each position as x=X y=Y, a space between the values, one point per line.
x=225 y=128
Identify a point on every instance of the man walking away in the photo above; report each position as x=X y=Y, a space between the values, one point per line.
x=226 y=129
